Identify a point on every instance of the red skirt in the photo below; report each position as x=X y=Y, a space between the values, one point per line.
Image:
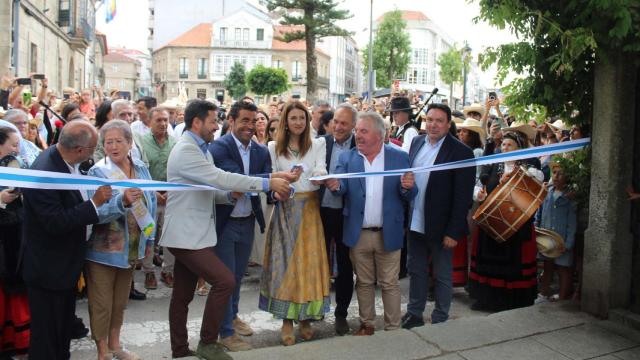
x=459 y=263
x=15 y=319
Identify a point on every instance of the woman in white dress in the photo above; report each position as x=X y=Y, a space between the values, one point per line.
x=295 y=277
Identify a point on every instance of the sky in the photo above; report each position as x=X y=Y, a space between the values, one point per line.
x=455 y=17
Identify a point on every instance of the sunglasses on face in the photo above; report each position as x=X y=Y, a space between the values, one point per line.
x=272 y=129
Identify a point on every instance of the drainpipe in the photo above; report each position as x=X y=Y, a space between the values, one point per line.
x=16 y=35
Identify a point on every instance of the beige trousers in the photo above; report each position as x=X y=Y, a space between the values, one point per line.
x=108 y=293
x=372 y=263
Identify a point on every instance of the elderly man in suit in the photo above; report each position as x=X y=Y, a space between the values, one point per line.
x=190 y=230
x=438 y=218
x=236 y=152
x=342 y=140
x=373 y=219
x=55 y=235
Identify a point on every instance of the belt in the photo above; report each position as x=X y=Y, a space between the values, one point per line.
x=374 y=229
x=240 y=218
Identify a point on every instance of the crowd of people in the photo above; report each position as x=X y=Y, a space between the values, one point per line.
x=309 y=236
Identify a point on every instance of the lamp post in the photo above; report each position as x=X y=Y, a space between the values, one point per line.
x=371 y=85
x=466 y=51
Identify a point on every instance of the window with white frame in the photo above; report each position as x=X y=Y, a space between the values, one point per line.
x=419 y=56
x=277 y=64
x=260 y=34
x=202 y=68
x=296 y=74
x=223 y=35
x=183 y=68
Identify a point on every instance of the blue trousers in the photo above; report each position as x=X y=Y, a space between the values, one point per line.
x=234 y=249
x=420 y=249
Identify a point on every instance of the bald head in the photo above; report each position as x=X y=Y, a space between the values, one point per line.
x=77 y=142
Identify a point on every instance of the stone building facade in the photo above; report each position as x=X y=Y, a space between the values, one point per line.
x=122 y=73
x=54 y=37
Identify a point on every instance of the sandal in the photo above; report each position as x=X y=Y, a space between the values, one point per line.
x=306 y=331
x=287 y=336
x=202 y=289
x=123 y=354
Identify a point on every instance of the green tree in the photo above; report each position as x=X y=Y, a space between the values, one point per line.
x=391 y=49
x=236 y=81
x=560 y=45
x=267 y=81
x=451 y=66
x=318 y=19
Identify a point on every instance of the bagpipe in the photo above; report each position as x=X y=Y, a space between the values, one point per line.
x=413 y=120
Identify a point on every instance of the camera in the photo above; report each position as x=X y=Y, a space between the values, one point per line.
x=492 y=95
x=23 y=81
x=38 y=76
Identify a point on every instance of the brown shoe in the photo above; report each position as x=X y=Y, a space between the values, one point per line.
x=241 y=327
x=364 y=330
x=167 y=279
x=150 y=281
x=235 y=343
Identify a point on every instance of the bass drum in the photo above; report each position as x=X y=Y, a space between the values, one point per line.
x=510 y=205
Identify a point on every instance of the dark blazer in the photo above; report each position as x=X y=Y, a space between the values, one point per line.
x=449 y=193
x=54 y=230
x=329 y=140
x=394 y=197
x=227 y=157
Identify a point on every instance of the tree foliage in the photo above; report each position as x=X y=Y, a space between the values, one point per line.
x=267 y=81
x=451 y=65
x=391 y=49
x=316 y=19
x=236 y=81
x=560 y=41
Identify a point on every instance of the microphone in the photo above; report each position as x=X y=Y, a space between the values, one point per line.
x=435 y=91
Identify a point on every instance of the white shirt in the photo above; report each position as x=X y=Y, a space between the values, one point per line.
x=425 y=157
x=75 y=170
x=407 y=137
x=142 y=129
x=374 y=191
x=177 y=132
x=314 y=163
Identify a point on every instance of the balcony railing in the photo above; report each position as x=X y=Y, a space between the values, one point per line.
x=243 y=44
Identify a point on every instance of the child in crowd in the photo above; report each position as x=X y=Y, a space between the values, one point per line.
x=558 y=213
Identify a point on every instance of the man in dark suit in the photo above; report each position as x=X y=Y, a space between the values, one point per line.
x=55 y=235
x=438 y=218
x=236 y=152
x=342 y=140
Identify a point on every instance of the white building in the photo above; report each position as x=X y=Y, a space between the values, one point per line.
x=244 y=36
x=345 y=67
x=169 y=19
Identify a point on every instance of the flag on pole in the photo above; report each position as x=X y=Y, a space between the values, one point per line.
x=111 y=9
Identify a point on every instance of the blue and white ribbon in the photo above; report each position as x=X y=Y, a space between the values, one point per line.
x=37 y=179
x=538 y=151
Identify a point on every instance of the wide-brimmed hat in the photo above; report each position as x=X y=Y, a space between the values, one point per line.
x=400 y=103
x=557 y=125
x=171 y=104
x=475 y=107
x=475 y=126
x=457 y=120
x=522 y=127
x=550 y=243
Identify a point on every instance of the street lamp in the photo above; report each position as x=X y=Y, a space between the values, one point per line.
x=371 y=85
x=466 y=51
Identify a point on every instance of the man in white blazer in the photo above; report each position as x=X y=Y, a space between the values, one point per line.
x=190 y=231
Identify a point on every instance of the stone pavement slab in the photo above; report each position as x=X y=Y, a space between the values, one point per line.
x=399 y=344
x=585 y=341
x=523 y=349
x=631 y=354
x=469 y=333
x=452 y=356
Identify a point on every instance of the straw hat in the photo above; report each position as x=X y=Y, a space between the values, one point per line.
x=475 y=126
x=170 y=104
x=458 y=120
x=475 y=107
x=523 y=128
x=550 y=243
x=557 y=125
